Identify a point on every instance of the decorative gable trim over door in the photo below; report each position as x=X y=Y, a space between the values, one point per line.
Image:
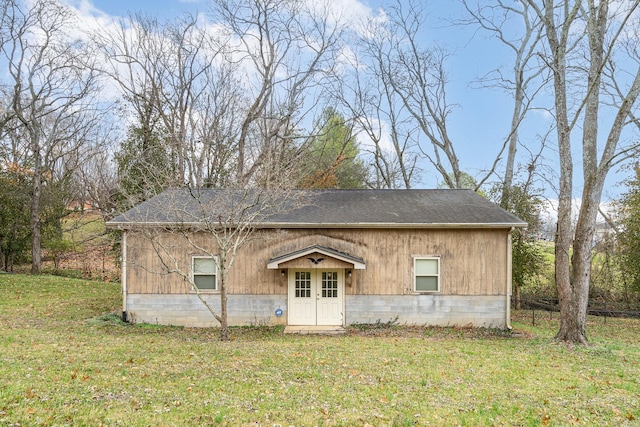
x=316 y=254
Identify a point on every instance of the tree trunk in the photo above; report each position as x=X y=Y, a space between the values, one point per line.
x=575 y=296
x=571 y=326
x=573 y=305
x=224 y=325
x=223 y=268
x=34 y=220
x=570 y=294
x=513 y=146
x=573 y=318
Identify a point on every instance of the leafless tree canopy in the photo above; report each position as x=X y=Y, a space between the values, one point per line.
x=52 y=114
x=230 y=102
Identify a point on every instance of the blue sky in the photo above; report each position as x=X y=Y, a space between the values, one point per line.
x=161 y=7
x=479 y=122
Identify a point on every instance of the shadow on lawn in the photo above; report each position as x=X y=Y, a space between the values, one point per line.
x=114 y=324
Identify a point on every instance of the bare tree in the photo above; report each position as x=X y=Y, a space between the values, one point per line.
x=51 y=84
x=228 y=100
x=524 y=79
x=94 y=179
x=168 y=77
x=418 y=76
x=591 y=47
x=216 y=138
x=373 y=105
x=405 y=84
x=285 y=50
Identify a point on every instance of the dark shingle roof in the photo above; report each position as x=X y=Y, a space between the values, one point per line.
x=334 y=208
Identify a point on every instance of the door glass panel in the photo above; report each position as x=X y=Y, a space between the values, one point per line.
x=329 y=284
x=303 y=284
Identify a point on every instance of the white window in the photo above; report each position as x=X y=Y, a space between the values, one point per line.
x=205 y=273
x=426 y=274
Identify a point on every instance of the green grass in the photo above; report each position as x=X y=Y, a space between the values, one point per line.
x=66 y=359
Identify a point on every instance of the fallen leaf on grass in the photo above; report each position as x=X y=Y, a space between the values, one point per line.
x=573 y=420
x=546 y=419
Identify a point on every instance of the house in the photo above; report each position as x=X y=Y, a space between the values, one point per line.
x=335 y=257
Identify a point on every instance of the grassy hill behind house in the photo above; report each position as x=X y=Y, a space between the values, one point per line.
x=86 y=249
x=66 y=361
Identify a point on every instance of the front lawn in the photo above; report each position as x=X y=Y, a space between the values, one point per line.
x=64 y=360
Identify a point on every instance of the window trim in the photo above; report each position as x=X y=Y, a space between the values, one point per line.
x=193 y=274
x=438 y=276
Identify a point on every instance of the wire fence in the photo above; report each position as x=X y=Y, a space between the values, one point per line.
x=551 y=306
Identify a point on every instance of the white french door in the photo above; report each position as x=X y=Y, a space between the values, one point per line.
x=316 y=297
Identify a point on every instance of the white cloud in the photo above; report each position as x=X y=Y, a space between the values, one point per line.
x=382 y=135
x=355 y=14
x=89 y=16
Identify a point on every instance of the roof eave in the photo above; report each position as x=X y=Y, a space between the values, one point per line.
x=497 y=225
x=392 y=225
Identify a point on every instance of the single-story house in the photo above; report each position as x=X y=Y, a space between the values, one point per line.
x=332 y=257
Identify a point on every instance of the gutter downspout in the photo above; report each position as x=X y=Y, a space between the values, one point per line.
x=123 y=279
x=509 y=279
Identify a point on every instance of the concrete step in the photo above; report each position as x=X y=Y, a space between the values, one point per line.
x=316 y=330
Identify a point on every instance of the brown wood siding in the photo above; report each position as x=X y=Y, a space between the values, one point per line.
x=472 y=262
